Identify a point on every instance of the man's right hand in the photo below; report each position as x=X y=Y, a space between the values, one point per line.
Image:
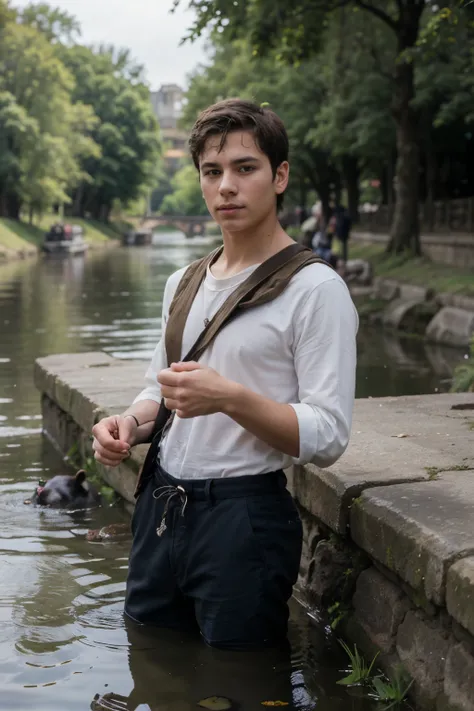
x=113 y=438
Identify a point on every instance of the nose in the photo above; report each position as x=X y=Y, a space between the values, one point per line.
x=227 y=184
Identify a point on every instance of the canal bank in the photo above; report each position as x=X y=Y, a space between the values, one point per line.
x=19 y=240
x=389 y=534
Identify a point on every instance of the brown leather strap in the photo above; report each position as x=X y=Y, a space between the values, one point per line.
x=181 y=304
x=264 y=284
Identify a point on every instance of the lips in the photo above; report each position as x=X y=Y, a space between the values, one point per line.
x=229 y=208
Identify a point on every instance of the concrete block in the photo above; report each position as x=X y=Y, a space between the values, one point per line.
x=459 y=678
x=451 y=326
x=412 y=292
x=460 y=593
x=459 y=301
x=378 y=456
x=386 y=289
x=331 y=573
x=423 y=649
x=410 y=315
x=379 y=607
x=418 y=530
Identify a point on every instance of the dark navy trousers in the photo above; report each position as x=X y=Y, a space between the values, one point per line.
x=220 y=555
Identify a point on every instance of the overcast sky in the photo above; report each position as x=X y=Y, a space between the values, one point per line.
x=146 y=27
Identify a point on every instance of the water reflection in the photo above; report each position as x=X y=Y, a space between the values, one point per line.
x=62 y=634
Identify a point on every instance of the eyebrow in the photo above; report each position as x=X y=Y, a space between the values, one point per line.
x=237 y=161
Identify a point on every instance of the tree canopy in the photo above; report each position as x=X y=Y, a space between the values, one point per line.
x=368 y=91
x=76 y=124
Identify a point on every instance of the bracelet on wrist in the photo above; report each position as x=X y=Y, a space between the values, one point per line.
x=129 y=415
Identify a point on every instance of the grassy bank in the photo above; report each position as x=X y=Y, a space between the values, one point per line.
x=18 y=236
x=421 y=271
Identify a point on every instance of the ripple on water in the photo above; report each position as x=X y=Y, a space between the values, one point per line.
x=18 y=432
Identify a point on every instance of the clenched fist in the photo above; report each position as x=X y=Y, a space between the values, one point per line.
x=192 y=390
x=113 y=438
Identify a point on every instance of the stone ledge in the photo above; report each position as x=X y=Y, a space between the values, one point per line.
x=460 y=593
x=397 y=486
x=433 y=436
x=418 y=530
x=459 y=680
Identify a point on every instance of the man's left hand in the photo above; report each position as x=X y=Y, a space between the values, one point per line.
x=192 y=390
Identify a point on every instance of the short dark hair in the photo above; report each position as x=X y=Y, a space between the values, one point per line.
x=239 y=115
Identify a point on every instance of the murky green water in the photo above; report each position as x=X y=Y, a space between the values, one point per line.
x=62 y=634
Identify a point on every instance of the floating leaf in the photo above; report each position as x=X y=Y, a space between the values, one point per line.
x=216 y=703
x=274 y=703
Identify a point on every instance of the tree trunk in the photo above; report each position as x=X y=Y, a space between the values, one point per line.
x=430 y=168
x=405 y=234
x=13 y=206
x=78 y=203
x=350 y=175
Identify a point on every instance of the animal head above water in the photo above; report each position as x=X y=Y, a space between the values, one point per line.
x=66 y=491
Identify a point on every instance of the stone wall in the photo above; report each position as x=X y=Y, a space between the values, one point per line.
x=453 y=249
x=388 y=530
x=446 y=319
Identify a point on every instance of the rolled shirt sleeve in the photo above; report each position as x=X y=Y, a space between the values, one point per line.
x=325 y=356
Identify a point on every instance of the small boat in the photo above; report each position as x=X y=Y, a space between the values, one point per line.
x=65 y=239
x=138 y=238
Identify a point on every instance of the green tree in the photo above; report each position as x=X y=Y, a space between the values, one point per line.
x=54 y=24
x=126 y=131
x=42 y=137
x=295 y=93
x=296 y=29
x=186 y=198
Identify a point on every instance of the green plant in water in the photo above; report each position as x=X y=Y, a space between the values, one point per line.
x=463 y=380
x=391 y=692
x=360 y=670
x=336 y=614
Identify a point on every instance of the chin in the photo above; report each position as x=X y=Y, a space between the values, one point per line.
x=238 y=224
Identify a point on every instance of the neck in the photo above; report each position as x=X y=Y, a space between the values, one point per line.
x=244 y=248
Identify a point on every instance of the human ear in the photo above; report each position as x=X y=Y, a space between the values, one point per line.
x=281 y=177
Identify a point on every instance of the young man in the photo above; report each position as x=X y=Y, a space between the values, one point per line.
x=217 y=538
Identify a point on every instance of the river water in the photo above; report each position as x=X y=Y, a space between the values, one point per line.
x=62 y=634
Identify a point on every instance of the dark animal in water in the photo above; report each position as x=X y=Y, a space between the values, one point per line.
x=66 y=492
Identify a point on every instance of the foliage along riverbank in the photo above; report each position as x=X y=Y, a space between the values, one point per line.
x=20 y=239
x=418 y=271
x=77 y=127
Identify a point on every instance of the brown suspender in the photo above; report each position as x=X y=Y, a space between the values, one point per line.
x=264 y=284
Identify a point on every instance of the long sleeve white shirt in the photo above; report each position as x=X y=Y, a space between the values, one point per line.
x=298 y=349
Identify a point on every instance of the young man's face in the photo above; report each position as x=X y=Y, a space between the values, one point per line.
x=237 y=182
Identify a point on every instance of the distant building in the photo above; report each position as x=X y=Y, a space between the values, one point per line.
x=167 y=104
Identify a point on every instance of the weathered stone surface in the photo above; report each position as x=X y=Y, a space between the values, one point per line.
x=331 y=573
x=412 y=292
x=459 y=678
x=423 y=648
x=311 y=537
x=411 y=315
x=386 y=289
x=451 y=326
x=460 y=593
x=397 y=311
x=418 y=530
x=434 y=435
x=457 y=300
x=379 y=607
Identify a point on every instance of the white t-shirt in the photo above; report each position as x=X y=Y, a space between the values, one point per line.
x=298 y=349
